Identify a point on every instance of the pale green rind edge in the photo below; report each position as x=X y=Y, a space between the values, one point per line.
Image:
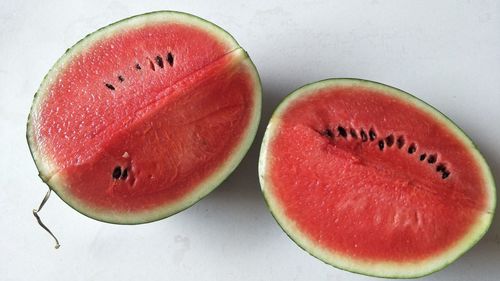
x=377 y=269
x=56 y=181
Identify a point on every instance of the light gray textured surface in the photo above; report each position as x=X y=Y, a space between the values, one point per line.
x=446 y=53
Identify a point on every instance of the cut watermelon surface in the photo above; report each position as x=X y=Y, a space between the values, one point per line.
x=144 y=117
x=372 y=180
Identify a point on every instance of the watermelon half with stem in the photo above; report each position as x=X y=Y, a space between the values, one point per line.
x=372 y=180
x=142 y=118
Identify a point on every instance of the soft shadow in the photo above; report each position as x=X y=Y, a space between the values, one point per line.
x=234 y=220
x=238 y=209
x=237 y=205
x=489 y=154
x=242 y=186
x=480 y=261
x=483 y=258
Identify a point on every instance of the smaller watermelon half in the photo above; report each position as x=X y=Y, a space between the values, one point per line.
x=144 y=117
x=372 y=180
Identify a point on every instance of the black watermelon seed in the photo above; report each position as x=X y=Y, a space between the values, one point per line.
x=159 y=61
x=389 y=140
x=151 y=65
x=342 y=131
x=138 y=66
x=353 y=133
x=372 y=134
x=328 y=133
x=364 y=137
x=440 y=168
x=381 y=144
x=432 y=159
x=109 y=86
x=117 y=172
x=422 y=156
x=125 y=174
x=170 y=59
x=412 y=148
x=400 y=142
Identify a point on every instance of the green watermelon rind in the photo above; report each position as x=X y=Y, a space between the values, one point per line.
x=56 y=182
x=107 y=31
x=386 y=270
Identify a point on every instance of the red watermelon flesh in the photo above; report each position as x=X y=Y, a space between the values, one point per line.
x=144 y=117
x=372 y=180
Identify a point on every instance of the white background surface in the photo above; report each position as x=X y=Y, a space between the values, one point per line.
x=446 y=52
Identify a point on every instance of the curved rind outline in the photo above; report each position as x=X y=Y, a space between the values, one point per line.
x=385 y=270
x=56 y=182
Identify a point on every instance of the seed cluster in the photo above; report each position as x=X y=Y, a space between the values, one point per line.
x=169 y=58
x=385 y=143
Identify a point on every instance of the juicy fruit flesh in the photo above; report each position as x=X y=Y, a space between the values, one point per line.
x=142 y=117
x=80 y=107
x=355 y=196
x=177 y=148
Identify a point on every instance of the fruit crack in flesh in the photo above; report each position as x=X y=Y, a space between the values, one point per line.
x=167 y=93
x=173 y=144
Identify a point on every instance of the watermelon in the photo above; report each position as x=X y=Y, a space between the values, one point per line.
x=141 y=119
x=370 y=179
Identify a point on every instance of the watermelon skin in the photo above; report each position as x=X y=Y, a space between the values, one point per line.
x=214 y=86
x=306 y=214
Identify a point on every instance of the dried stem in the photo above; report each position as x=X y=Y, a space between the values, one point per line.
x=35 y=213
